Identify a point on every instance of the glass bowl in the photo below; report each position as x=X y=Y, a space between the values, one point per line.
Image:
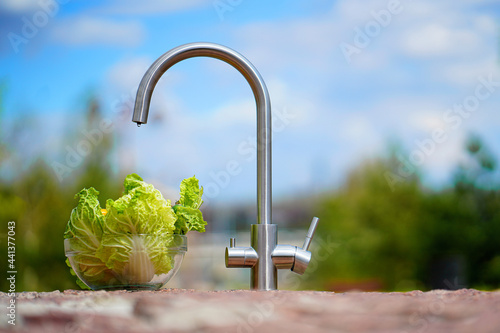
x=126 y=261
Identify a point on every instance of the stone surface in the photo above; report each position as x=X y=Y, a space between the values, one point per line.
x=180 y=310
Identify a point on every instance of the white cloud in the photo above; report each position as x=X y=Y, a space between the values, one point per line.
x=442 y=162
x=134 y=7
x=234 y=114
x=446 y=31
x=278 y=45
x=19 y=6
x=86 y=30
x=126 y=74
x=434 y=39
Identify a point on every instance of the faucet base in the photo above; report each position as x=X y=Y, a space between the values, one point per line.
x=265 y=256
x=264 y=273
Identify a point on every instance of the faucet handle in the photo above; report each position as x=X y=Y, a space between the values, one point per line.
x=238 y=256
x=310 y=233
x=302 y=256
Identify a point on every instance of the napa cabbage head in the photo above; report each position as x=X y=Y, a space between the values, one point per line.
x=115 y=243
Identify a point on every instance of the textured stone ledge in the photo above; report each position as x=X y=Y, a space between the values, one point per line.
x=178 y=310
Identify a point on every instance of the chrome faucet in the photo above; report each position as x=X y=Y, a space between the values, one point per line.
x=264 y=256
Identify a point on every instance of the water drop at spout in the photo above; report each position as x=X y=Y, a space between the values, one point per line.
x=138 y=124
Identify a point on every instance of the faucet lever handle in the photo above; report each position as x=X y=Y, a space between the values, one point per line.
x=302 y=257
x=310 y=233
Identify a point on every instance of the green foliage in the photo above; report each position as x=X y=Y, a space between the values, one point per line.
x=371 y=222
x=395 y=234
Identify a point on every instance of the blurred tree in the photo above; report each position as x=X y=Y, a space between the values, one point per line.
x=477 y=171
x=40 y=203
x=398 y=235
x=375 y=227
x=477 y=189
x=451 y=232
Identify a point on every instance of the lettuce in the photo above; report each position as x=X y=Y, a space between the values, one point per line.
x=187 y=209
x=86 y=219
x=109 y=247
x=141 y=210
x=85 y=228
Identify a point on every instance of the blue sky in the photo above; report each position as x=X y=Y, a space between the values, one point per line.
x=345 y=78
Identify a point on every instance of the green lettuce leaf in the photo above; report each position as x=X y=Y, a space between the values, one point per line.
x=86 y=219
x=85 y=229
x=189 y=217
x=141 y=210
x=190 y=193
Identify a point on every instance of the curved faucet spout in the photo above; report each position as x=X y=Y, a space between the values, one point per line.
x=167 y=60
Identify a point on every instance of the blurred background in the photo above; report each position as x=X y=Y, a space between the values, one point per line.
x=385 y=125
